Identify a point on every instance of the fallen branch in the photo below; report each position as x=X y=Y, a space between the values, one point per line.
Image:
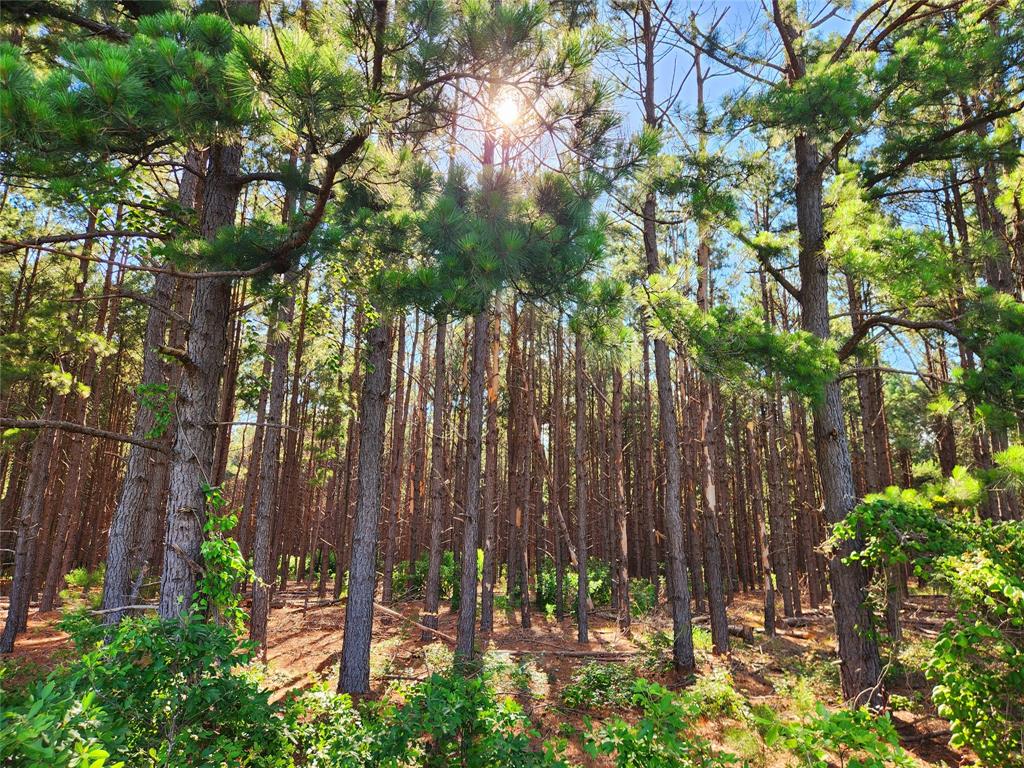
x=143 y=607
x=423 y=627
x=926 y=736
x=570 y=654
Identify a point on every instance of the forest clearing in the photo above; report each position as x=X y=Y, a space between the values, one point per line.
x=511 y=384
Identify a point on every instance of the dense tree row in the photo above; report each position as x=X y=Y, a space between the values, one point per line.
x=387 y=282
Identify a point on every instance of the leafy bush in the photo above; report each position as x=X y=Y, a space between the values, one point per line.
x=449 y=721
x=414 y=575
x=642 y=597
x=597 y=685
x=858 y=738
x=715 y=695
x=51 y=727
x=177 y=692
x=978 y=660
x=599 y=584
x=84 y=587
x=327 y=730
x=663 y=736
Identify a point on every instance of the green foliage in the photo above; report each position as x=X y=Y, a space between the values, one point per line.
x=715 y=695
x=414 y=575
x=858 y=738
x=83 y=584
x=642 y=597
x=993 y=326
x=185 y=693
x=655 y=651
x=739 y=346
x=50 y=726
x=978 y=660
x=223 y=565
x=541 y=240
x=599 y=584
x=596 y=685
x=459 y=720
x=662 y=737
x=327 y=730
x=904 y=266
x=168 y=80
x=158 y=398
x=162 y=692
x=897 y=527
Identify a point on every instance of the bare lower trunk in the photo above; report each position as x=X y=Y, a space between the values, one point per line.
x=393 y=492
x=709 y=519
x=139 y=481
x=581 y=497
x=30 y=516
x=619 y=481
x=474 y=431
x=439 y=407
x=490 y=477
x=860 y=666
x=263 y=568
x=373 y=405
x=754 y=465
x=134 y=520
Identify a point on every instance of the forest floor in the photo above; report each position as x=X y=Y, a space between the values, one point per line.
x=787 y=674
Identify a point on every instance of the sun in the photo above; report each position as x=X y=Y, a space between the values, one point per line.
x=506 y=109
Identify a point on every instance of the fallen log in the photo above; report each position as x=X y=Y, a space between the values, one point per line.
x=423 y=627
x=743 y=632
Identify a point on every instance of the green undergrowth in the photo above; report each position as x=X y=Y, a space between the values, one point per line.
x=189 y=693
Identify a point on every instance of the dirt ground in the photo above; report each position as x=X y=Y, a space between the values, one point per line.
x=305 y=637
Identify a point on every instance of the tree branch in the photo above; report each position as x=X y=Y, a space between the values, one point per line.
x=850 y=345
x=16 y=245
x=69 y=426
x=921 y=151
x=98 y=28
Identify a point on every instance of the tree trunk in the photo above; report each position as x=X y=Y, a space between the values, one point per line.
x=145 y=478
x=754 y=465
x=29 y=517
x=373 y=405
x=191 y=466
x=279 y=338
x=439 y=407
x=474 y=431
x=490 y=502
x=393 y=493
x=621 y=539
x=860 y=666
x=582 y=593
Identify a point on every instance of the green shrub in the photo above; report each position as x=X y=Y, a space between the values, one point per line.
x=83 y=585
x=715 y=695
x=599 y=585
x=327 y=730
x=858 y=738
x=597 y=685
x=663 y=736
x=642 y=597
x=978 y=659
x=460 y=721
x=184 y=694
x=179 y=692
x=50 y=726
